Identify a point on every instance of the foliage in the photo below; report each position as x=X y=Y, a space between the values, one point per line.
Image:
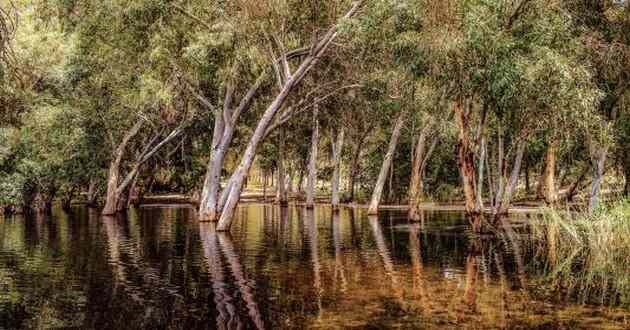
x=587 y=254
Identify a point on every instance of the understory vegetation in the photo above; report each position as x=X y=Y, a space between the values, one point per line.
x=586 y=256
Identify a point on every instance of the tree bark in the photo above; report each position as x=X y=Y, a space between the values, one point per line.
x=112 y=195
x=337 y=149
x=547 y=185
x=416 y=187
x=312 y=162
x=92 y=193
x=466 y=163
x=236 y=181
x=599 y=161
x=506 y=196
x=354 y=164
x=283 y=199
x=387 y=163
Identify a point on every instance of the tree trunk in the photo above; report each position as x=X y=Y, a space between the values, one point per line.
x=547 y=185
x=337 y=149
x=92 y=193
x=576 y=185
x=354 y=166
x=283 y=199
x=387 y=163
x=526 y=170
x=312 y=162
x=598 y=159
x=264 y=186
x=416 y=188
x=66 y=201
x=112 y=195
x=626 y=174
x=506 y=196
x=466 y=162
x=236 y=181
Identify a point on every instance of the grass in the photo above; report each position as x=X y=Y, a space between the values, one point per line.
x=587 y=255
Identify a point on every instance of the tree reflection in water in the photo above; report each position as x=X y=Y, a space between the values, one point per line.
x=280 y=268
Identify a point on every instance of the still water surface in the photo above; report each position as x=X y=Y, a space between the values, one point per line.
x=279 y=268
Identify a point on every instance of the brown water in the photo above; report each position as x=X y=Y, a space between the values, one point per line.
x=279 y=268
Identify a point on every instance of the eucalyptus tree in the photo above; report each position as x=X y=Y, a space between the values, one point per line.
x=491 y=60
x=317 y=48
x=119 y=74
x=604 y=27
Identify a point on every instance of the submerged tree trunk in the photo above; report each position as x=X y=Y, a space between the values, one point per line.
x=547 y=183
x=598 y=159
x=236 y=181
x=112 y=195
x=92 y=193
x=337 y=149
x=283 y=199
x=224 y=126
x=312 y=162
x=506 y=196
x=416 y=186
x=466 y=162
x=354 y=165
x=387 y=163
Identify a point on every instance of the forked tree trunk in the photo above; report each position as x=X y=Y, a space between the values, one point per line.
x=418 y=164
x=312 y=162
x=387 y=163
x=506 y=196
x=337 y=149
x=466 y=163
x=599 y=161
x=112 y=195
x=236 y=181
x=547 y=183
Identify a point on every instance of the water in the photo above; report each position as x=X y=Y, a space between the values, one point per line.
x=279 y=268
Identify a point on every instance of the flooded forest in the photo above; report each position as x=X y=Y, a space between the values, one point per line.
x=290 y=164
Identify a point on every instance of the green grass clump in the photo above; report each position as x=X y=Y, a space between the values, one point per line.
x=588 y=254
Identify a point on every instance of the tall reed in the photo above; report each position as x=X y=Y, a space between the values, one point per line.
x=588 y=254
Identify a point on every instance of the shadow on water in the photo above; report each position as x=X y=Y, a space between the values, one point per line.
x=279 y=268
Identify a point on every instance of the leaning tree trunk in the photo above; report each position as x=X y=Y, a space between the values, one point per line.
x=506 y=196
x=236 y=181
x=416 y=188
x=312 y=162
x=547 y=183
x=112 y=195
x=466 y=162
x=598 y=159
x=387 y=163
x=337 y=148
x=210 y=189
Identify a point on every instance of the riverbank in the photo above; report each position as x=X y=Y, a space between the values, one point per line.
x=169 y=200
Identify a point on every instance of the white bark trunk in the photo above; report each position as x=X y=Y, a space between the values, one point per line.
x=599 y=161
x=236 y=181
x=312 y=163
x=387 y=163
x=337 y=149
